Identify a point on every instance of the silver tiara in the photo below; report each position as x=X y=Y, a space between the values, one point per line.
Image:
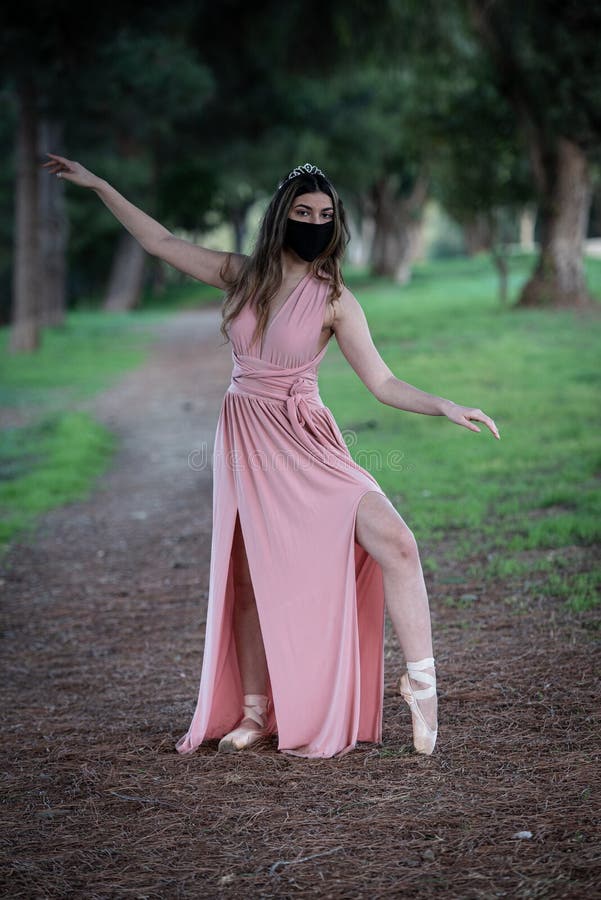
x=305 y=169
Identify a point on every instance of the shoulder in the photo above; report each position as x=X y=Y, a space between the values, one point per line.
x=340 y=309
x=348 y=314
x=327 y=282
x=347 y=302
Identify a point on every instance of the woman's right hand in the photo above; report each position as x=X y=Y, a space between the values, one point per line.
x=70 y=171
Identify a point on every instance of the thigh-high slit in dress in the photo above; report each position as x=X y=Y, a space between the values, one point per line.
x=281 y=464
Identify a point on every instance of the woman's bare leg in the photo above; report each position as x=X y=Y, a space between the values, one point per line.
x=247 y=630
x=384 y=534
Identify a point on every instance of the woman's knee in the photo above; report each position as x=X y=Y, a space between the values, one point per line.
x=384 y=533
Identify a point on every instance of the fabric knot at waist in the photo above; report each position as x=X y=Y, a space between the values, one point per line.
x=296 y=387
x=295 y=402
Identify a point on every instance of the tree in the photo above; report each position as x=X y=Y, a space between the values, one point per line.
x=286 y=92
x=40 y=49
x=53 y=228
x=546 y=54
x=480 y=174
x=25 y=333
x=143 y=87
x=105 y=88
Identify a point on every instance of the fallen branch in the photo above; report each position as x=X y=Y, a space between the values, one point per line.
x=292 y=862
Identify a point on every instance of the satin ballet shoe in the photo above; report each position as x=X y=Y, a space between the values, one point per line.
x=424 y=737
x=244 y=736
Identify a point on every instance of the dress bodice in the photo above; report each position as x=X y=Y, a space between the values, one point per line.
x=292 y=334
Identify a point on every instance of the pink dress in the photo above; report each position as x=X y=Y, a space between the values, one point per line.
x=281 y=463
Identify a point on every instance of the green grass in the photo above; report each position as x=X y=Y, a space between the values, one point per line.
x=56 y=452
x=536 y=373
x=76 y=360
x=46 y=464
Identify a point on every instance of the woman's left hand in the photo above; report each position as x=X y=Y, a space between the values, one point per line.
x=461 y=415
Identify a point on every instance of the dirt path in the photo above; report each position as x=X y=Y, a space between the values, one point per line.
x=102 y=645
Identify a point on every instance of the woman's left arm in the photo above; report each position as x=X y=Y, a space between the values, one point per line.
x=355 y=341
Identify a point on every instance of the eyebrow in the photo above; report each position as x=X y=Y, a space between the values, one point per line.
x=306 y=206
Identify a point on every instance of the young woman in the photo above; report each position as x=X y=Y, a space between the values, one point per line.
x=307 y=550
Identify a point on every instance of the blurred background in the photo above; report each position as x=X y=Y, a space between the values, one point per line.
x=449 y=130
x=464 y=139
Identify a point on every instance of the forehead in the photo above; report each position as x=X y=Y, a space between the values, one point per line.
x=317 y=200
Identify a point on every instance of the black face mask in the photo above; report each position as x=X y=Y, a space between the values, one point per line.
x=307 y=239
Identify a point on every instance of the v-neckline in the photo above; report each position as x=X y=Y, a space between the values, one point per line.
x=269 y=324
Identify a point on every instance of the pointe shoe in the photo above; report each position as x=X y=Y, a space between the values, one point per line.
x=424 y=737
x=243 y=736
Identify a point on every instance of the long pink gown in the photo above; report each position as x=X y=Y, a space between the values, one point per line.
x=280 y=461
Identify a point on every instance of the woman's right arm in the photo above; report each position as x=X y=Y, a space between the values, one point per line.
x=199 y=262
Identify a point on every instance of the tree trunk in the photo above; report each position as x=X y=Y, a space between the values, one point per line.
x=127 y=275
x=559 y=278
x=159 y=278
x=128 y=267
x=595 y=217
x=412 y=249
x=527 y=225
x=360 y=215
x=476 y=235
x=418 y=241
x=398 y=222
x=499 y=259
x=53 y=230
x=25 y=326
x=500 y=223
x=389 y=243
x=238 y=219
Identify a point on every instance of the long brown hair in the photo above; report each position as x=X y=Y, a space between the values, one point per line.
x=260 y=275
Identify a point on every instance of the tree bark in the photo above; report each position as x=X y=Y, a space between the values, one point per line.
x=25 y=326
x=500 y=226
x=158 y=278
x=238 y=219
x=360 y=216
x=127 y=275
x=564 y=184
x=398 y=221
x=527 y=226
x=53 y=230
x=499 y=259
x=595 y=217
x=128 y=267
x=476 y=235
